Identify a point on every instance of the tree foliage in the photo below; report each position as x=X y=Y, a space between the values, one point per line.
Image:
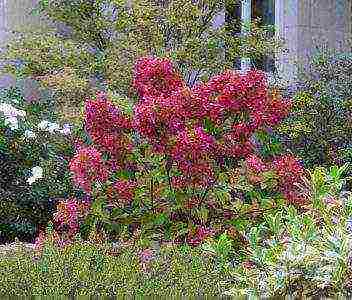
x=103 y=38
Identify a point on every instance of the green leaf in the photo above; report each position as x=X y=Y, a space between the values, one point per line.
x=240 y=224
x=224 y=245
x=180 y=228
x=97 y=210
x=160 y=219
x=124 y=174
x=274 y=222
x=212 y=44
x=209 y=127
x=222 y=195
x=202 y=213
x=254 y=235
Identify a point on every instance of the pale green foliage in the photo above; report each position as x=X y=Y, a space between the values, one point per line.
x=63 y=66
x=308 y=253
x=43 y=53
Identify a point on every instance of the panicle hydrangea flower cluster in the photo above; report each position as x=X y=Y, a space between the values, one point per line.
x=195 y=128
x=155 y=77
x=289 y=173
x=37 y=173
x=107 y=126
x=88 y=167
x=54 y=127
x=192 y=150
x=11 y=114
x=121 y=192
x=173 y=119
x=69 y=212
x=256 y=164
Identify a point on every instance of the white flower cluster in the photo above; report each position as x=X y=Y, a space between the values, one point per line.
x=52 y=127
x=29 y=134
x=37 y=173
x=11 y=113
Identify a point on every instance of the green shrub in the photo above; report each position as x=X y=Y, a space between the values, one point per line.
x=319 y=129
x=86 y=269
x=104 y=38
x=26 y=205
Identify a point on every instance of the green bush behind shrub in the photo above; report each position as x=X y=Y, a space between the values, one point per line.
x=320 y=128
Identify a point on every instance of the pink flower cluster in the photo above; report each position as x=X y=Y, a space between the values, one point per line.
x=194 y=128
x=69 y=212
x=121 y=192
x=42 y=238
x=256 y=164
x=88 y=167
x=107 y=126
x=39 y=242
x=289 y=173
x=172 y=119
x=201 y=233
x=192 y=151
x=146 y=256
x=155 y=77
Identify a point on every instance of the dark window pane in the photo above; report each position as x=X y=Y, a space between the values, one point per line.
x=233 y=24
x=265 y=11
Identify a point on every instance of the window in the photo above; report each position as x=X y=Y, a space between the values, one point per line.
x=263 y=9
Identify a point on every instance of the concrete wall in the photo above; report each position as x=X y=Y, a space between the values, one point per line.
x=15 y=15
x=305 y=24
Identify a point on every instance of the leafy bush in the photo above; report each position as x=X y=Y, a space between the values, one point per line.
x=290 y=254
x=166 y=165
x=34 y=160
x=319 y=128
x=299 y=254
x=86 y=268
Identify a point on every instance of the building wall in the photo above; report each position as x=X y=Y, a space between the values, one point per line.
x=305 y=24
x=15 y=15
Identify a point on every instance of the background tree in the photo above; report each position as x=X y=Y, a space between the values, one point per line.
x=99 y=40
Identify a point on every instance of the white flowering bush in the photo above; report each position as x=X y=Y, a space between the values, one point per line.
x=34 y=149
